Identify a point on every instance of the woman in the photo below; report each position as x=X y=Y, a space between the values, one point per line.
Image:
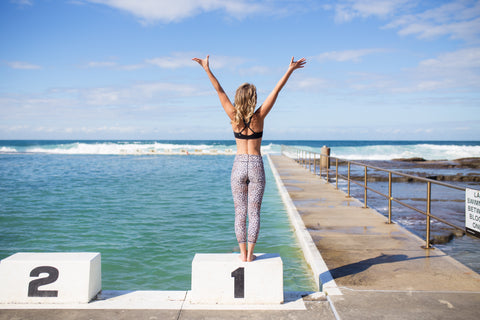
x=248 y=175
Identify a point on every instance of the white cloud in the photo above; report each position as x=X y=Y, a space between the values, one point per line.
x=255 y=70
x=346 y=55
x=137 y=95
x=457 y=19
x=22 y=2
x=22 y=65
x=101 y=64
x=114 y=65
x=103 y=96
x=311 y=84
x=151 y=89
x=450 y=72
x=167 y=11
x=461 y=59
x=93 y=102
x=184 y=59
x=176 y=60
x=129 y=67
x=347 y=10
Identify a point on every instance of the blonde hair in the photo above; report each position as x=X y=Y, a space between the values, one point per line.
x=245 y=102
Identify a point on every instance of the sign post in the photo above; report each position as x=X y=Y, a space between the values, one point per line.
x=472 y=212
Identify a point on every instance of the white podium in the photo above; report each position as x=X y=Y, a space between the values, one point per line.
x=225 y=279
x=50 y=277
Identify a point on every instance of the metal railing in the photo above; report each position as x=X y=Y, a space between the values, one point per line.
x=313 y=160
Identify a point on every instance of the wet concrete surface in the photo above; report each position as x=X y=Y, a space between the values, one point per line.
x=372 y=260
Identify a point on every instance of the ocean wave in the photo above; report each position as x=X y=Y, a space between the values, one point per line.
x=389 y=152
x=353 y=151
x=7 y=150
x=132 y=148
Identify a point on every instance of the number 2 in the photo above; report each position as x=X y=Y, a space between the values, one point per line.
x=35 y=284
x=239 y=284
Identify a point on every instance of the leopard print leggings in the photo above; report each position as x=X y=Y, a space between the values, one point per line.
x=248 y=185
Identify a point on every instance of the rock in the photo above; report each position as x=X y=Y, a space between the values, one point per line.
x=442 y=238
x=414 y=159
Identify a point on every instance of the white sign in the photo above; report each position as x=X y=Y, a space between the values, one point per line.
x=472 y=212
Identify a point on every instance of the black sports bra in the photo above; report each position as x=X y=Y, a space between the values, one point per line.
x=254 y=135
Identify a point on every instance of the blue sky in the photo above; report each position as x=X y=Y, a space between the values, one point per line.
x=122 y=69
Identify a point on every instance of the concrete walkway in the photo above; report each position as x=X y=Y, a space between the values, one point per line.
x=170 y=305
x=380 y=268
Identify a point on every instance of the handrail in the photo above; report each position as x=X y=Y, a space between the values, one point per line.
x=304 y=158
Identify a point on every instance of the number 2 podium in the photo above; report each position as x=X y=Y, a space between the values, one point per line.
x=50 y=277
x=225 y=279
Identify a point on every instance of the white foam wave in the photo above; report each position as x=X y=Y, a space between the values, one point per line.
x=131 y=148
x=7 y=150
x=388 y=152
x=359 y=152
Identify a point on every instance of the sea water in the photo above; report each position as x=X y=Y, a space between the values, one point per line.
x=149 y=206
x=146 y=215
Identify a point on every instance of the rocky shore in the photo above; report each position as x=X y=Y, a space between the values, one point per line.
x=460 y=172
x=472 y=163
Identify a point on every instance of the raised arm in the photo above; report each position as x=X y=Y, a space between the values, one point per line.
x=224 y=100
x=272 y=97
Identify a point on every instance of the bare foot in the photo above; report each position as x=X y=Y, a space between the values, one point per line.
x=253 y=257
x=242 y=257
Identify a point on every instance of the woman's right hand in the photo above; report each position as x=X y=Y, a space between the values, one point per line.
x=203 y=62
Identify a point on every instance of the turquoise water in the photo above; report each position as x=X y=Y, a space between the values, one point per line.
x=148 y=207
x=146 y=215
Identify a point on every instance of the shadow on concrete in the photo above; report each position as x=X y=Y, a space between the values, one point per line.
x=363 y=265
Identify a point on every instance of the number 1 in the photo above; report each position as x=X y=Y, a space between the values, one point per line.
x=239 y=286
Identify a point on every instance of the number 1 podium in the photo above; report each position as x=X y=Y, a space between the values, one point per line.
x=225 y=279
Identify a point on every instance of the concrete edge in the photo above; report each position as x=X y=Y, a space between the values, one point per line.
x=323 y=277
x=159 y=300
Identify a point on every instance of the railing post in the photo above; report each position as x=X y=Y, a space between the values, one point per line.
x=321 y=165
x=365 y=188
x=328 y=168
x=429 y=201
x=348 y=164
x=310 y=161
x=390 y=197
x=314 y=164
x=336 y=173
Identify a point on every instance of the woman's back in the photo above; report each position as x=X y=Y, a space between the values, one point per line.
x=253 y=128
